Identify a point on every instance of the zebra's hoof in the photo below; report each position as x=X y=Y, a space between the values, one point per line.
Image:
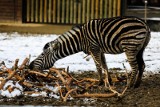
x=137 y=84
x=101 y=82
x=31 y=66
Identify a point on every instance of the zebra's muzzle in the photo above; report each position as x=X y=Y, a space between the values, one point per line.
x=31 y=66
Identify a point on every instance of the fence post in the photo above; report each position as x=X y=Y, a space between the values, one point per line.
x=145 y=10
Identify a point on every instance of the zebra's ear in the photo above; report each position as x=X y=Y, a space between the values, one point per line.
x=55 y=45
x=46 y=46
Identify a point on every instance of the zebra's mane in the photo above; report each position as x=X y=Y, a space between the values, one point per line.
x=78 y=26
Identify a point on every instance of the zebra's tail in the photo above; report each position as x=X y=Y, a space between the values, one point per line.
x=148 y=37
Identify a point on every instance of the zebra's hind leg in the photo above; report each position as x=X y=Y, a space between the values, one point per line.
x=141 y=66
x=131 y=56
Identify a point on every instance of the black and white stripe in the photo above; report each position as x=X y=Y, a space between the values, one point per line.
x=97 y=37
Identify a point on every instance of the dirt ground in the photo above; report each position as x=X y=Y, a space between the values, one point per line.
x=147 y=95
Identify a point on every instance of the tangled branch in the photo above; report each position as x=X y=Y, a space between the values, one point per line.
x=68 y=85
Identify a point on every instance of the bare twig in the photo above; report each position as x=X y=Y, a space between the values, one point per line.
x=58 y=74
x=8 y=78
x=67 y=94
x=41 y=74
x=24 y=63
x=126 y=75
x=16 y=64
x=125 y=70
x=95 y=95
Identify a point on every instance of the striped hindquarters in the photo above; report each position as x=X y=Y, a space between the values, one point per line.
x=111 y=35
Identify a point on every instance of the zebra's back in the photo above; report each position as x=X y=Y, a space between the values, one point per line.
x=116 y=35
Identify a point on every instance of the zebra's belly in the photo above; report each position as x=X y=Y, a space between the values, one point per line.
x=107 y=52
x=112 y=49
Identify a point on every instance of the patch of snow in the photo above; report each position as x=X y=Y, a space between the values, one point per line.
x=15 y=45
x=89 y=100
x=17 y=89
x=54 y=96
x=43 y=94
x=54 y=89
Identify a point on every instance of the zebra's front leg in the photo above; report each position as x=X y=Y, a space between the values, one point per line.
x=97 y=59
x=100 y=63
x=105 y=68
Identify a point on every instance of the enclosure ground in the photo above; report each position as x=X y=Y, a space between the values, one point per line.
x=34 y=28
x=146 y=95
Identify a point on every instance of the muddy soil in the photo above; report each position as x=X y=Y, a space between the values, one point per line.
x=147 y=95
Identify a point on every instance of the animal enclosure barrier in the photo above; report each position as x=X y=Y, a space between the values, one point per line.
x=69 y=11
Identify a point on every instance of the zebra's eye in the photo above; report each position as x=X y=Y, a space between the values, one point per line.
x=56 y=45
x=42 y=54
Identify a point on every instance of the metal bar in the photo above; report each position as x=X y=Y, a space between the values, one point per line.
x=36 y=11
x=118 y=7
x=49 y=10
x=145 y=10
x=28 y=10
x=41 y=11
x=54 y=11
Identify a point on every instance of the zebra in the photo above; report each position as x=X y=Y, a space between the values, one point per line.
x=97 y=37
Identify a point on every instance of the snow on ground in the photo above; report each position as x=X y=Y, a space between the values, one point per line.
x=15 y=45
x=17 y=91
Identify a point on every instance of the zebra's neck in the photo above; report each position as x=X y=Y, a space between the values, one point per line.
x=70 y=42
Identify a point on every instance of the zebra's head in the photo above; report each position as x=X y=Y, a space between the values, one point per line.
x=46 y=59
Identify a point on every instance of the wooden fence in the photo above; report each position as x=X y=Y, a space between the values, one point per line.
x=69 y=11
